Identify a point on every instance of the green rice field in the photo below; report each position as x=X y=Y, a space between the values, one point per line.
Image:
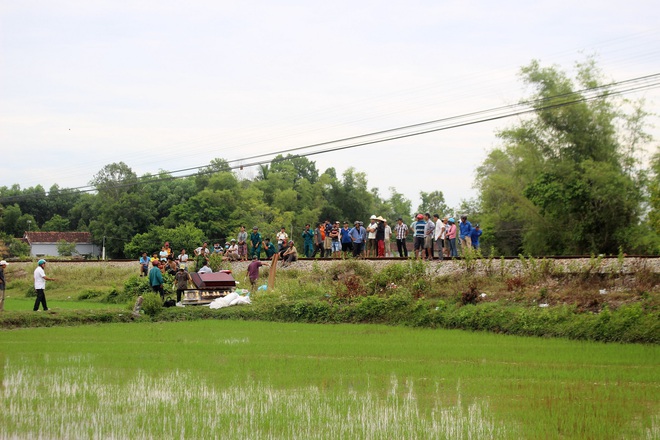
x=254 y=380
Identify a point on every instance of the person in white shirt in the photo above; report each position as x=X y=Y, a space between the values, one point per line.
x=205 y=268
x=282 y=238
x=439 y=235
x=371 y=237
x=232 y=251
x=40 y=279
x=182 y=257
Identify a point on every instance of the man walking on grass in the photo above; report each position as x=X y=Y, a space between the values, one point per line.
x=40 y=279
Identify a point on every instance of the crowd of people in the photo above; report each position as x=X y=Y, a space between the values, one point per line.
x=432 y=238
x=430 y=234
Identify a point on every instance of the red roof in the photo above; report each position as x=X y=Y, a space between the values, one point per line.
x=54 y=237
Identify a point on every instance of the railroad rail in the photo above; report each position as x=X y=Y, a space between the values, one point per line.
x=547 y=257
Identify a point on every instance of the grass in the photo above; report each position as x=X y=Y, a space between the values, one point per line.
x=72 y=278
x=502 y=297
x=231 y=379
x=26 y=304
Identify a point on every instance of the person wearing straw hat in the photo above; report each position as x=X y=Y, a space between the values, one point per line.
x=3 y=264
x=40 y=279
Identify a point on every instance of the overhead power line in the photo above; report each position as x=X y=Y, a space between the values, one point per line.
x=637 y=84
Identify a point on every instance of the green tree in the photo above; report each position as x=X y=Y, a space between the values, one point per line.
x=60 y=201
x=204 y=175
x=10 y=216
x=654 y=193
x=433 y=202
x=559 y=184
x=120 y=209
x=65 y=248
x=185 y=236
x=299 y=167
x=397 y=205
x=56 y=223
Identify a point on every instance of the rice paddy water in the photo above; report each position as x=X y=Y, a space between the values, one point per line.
x=233 y=379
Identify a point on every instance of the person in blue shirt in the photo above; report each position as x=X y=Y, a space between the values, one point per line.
x=144 y=265
x=357 y=234
x=465 y=234
x=346 y=242
x=476 y=233
x=417 y=227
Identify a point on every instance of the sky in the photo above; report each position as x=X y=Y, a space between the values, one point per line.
x=165 y=85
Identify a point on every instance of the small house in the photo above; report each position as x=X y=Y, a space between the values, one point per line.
x=45 y=243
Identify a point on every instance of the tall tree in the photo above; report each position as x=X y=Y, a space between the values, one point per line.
x=654 y=193
x=121 y=208
x=433 y=202
x=559 y=184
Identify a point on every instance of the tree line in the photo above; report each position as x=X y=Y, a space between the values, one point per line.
x=567 y=180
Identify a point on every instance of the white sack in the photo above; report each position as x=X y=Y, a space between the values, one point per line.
x=219 y=303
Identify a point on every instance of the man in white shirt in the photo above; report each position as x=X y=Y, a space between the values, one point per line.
x=40 y=279
x=232 y=251
x=205 y=268
x=371 y=237
x=439 y=236
x=282 y=238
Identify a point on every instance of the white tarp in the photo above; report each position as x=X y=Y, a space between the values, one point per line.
x=230 y=300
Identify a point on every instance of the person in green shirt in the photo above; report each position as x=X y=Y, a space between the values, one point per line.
x=308 y=236
x=256 y=241
x=156 y=279
x=269 y=248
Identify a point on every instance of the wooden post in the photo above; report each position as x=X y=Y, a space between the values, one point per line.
x=273 y=270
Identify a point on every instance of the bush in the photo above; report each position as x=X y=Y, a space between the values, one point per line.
x=136 y=285
x=90 y=294
x=66 y=249
x=152 y=304
x=115 y=296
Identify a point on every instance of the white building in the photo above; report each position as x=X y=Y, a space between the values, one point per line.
x=45 y=243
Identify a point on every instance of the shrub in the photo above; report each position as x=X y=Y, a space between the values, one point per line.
x=152 y=304
x=393 y=273
x=351 y=287
x=135 y=286
x=350 y=266
x=90 y=294
x=470 y=296
x=115 y=296
x=216 y=263
x=65 y=248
